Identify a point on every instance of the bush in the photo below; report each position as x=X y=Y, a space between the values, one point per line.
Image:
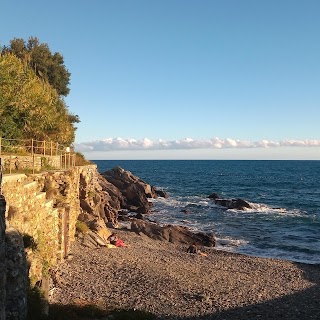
x=82 y=227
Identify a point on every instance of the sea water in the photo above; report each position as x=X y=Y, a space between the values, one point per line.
x=285 y=195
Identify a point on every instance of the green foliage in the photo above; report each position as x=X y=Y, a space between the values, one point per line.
x=11 y=123
x=47 y=66
x=91 y=194
x=44 y=252
x=29 y=107
x=45 y=165
x=81 y=160
x=82 y=227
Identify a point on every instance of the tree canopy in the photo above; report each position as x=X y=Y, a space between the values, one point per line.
x=46 y=65
x=30 y=106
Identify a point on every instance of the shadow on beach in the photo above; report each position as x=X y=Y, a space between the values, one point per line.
x=303 y=305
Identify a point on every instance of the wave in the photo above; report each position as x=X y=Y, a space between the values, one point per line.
x=266 y=209
x=229 y=244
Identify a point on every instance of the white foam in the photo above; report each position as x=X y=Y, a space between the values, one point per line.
x=263 y=208
x=229 y=244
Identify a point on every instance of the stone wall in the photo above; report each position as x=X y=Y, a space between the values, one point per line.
x=36 y=162
x=43 y=208
x=3 y=271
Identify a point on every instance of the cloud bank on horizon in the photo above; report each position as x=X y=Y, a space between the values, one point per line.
x=117 y=144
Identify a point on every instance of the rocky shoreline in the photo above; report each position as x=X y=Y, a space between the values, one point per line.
x=157 y=275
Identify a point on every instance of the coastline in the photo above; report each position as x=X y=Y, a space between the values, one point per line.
x=161 y=278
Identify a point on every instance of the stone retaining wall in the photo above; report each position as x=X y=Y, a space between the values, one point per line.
x=3 y=269
x=43 y=208
x=36 y=162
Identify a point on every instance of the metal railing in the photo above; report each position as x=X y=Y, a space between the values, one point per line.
x=31 y=146
x=11 y=149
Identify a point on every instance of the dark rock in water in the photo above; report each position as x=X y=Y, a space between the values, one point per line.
x=161 y=193
x=238 y=204
x=174 y=234
x=214 y=196
x=139 y=216
x=185 y=211
x=123 y=215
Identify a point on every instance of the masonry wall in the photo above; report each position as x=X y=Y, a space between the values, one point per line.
x=43 y=208
x=3 y=270
x=35 y=162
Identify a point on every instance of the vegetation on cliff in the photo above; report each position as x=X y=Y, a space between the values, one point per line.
x=33 y=82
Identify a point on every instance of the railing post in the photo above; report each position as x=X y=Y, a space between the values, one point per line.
x=32 y=147
x=51 y=148
x=44 y=147
x=0 y=147
x=10 y=164
x=57 y=146
x=33 y=163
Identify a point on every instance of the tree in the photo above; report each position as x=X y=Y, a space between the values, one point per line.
x=47 y=66
x=29 y=107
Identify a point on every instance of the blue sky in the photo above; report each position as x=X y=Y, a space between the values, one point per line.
x=182 y=79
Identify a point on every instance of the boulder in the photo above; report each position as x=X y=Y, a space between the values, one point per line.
x=173 y=234
x=238 y=204
x=101 y=229
x=161 y=193
x=214 y=196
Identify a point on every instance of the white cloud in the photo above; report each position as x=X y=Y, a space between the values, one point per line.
x=111 y=144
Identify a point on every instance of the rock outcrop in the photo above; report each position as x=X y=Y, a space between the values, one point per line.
x=118 y=192
x=238 y=204
x=112 y=192
x=135 y=192
x=107 y=198
x=173 y=234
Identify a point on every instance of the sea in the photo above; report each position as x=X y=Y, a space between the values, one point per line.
x=285 y=195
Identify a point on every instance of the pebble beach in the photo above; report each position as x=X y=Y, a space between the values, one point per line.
x=163 y=279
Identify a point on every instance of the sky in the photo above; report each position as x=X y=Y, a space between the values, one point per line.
x=184 y=79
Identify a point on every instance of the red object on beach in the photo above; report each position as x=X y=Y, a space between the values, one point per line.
x=120 y=243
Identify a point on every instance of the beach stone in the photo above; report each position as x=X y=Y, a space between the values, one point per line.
x=161 y=278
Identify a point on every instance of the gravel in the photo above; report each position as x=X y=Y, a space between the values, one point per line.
x=163 y=279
